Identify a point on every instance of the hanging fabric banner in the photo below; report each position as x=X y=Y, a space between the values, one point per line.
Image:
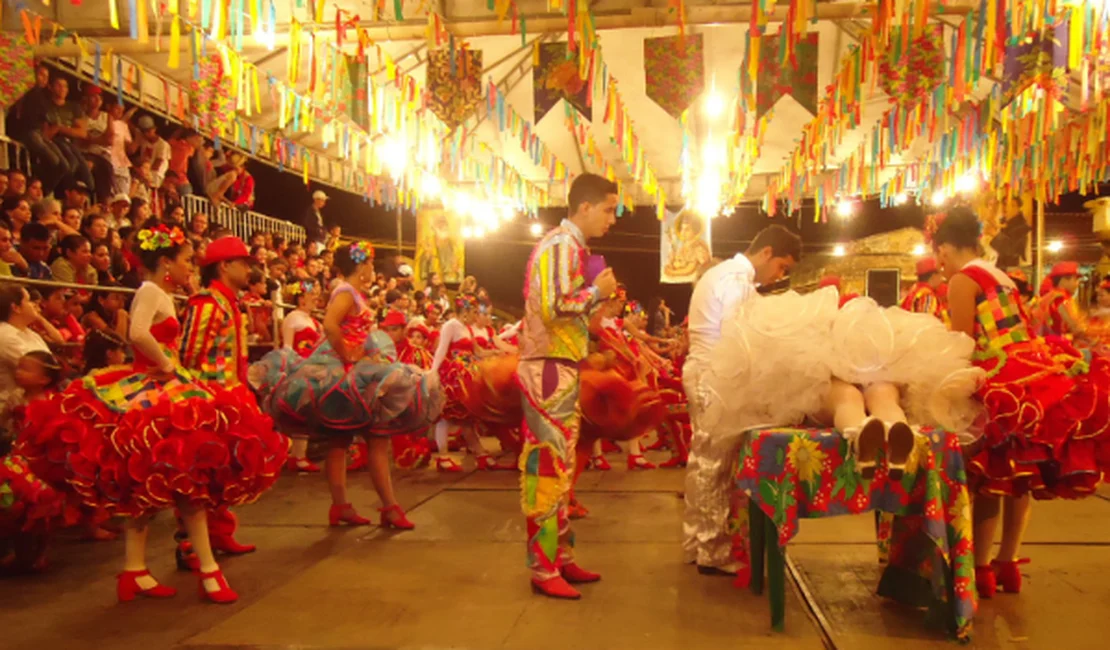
x=440 y=247
x=674 y=71
x=17 y=69
x=454 y=84
x=211 y=97
x=684 y=246
x=357 y=89
x=556 y=77
x=1038 y=56
x=795 y=77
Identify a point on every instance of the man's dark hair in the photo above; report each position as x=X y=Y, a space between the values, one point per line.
x=209 y=274
x=589 y=188
x=70 y=243
x=10 y=296
x=34 y=232
x=392 y=296
x=783 y=243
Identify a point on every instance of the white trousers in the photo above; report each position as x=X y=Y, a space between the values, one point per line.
x=705 y=538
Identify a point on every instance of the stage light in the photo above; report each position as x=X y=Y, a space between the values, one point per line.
x=839 y=250
x=845 y=209
x=394 y=156
x=467 y=232
x=1055 y=246
x=431 y=186
x=479 y=232
x=967 y=183
x=536 y=229
x=938 y=198
x=714 y=105
x=919 y=250
x=901 y=198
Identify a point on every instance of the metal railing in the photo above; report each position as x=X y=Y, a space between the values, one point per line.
x=242 y=223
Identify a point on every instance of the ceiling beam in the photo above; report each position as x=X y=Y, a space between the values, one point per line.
x=538 y=23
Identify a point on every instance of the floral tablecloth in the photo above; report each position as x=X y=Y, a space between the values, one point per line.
x=797 y=474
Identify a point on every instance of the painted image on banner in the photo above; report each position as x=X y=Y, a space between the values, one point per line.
x=440 y=247
x=685 y=246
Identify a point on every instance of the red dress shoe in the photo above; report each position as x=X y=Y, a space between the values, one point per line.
x=600 y=464
x=1007 y=575
x=360 y=458
x=577 y=511
x=448 y=465
x=227 y=544
x=344 y=513
x=394 y=517
x=675 y=461
x=636 y=461
x=487 y=463
x=985 y=581
x=127 y=587
x=301 y=465
x=555 y=587
x=223 y=593
x=186 y=558
x=575 y=574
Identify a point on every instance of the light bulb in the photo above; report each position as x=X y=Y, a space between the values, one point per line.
x=714 y=105
x=919 y=250
x=431 y=185
x=938 y=198
x=839 y=250
x=467 y=232
x=967 y=183
x=479 y=232
x=901 y=198
x=1055 y=246
x=393 y=156
x=845 y=209
x=536 y=229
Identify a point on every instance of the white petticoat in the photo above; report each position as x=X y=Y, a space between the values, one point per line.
x=778 y=355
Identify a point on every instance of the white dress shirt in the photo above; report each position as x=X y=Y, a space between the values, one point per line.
x=715 y=297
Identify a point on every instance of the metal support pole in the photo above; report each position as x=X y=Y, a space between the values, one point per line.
x=1038 y=254
x=400 y=232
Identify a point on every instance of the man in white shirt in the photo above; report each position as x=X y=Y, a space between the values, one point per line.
x=716 y=295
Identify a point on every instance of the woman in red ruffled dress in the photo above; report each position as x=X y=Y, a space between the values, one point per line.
x=497 y=399
x=1047 y=425
x=468 y=401
x=133 y=440
x=300 y=332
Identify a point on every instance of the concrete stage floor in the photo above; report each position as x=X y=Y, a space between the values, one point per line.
x=459 y=581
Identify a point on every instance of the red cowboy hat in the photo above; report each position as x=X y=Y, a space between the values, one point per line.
x=926 y=265
x=225 y=249
x=393 y=319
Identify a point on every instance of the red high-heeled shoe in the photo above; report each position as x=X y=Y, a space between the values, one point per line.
x=361 y=457
x=223 y=595
x=600 y=464
x=674 y=461
x=636 y=461
x=488 y=464
x=985 y=581
x=227 y=544
x=577 y=511
x=1008 y=575
x=447 y=465
x=301 y=465
x=398 y=520
x=186 y=557
x=344 y=513
x=127 y=587
x=555 y=587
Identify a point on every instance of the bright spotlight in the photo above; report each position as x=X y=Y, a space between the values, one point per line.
x=467 y=232
x=536 y=229
x=479 y=232
x=901 y=198
x=714 y=105
x=938 y=198
x=839 y=250
x=845 y=209
x=967 y=183
x=1055 y=246
x=919 y=250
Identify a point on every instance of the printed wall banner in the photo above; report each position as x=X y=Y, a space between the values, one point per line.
x=454 y=85
x=684 y=246
x=557 y=77
x=17 y=69
x=440 y=247
x=674 y=71
x=796 y=77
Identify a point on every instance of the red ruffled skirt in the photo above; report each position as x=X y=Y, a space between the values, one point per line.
x=616 y=408
x=1048 y=427
x=131 y=445
x=482 y=391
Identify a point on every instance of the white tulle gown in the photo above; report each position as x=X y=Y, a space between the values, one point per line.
x=779 y=354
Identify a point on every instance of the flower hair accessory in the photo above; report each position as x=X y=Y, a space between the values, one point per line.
x=159 y=237
x=299 y=288
x=620 y=294
x=465 y=301
x=361 y=251
x=633 y=307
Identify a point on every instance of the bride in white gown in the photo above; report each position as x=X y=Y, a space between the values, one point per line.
x=866 y=370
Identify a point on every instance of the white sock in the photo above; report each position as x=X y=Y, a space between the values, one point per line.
x=441 y=437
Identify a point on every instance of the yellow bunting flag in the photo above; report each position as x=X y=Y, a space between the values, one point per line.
x=141 y=21
x=113 y=13
x=175 y=44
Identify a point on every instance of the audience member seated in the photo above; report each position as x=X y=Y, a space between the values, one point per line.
x=34 y=246
x=75 y=263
